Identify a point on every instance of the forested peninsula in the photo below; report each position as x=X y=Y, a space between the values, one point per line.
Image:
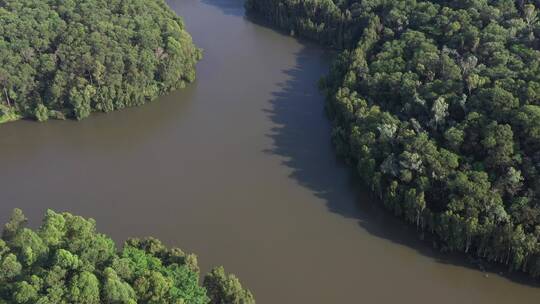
x=66 y=261
x=68 y=58
x=437 y=105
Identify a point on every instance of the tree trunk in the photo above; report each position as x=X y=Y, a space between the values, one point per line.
x=7 y=98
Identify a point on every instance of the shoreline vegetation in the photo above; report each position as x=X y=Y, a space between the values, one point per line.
x=66 y=261
x=8 y=114
x=67 y=59
x=437 y=105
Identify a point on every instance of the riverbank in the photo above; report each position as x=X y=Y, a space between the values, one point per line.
x=139 y=51
x=410 y=137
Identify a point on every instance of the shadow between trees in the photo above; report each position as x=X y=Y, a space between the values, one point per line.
x=302 y=137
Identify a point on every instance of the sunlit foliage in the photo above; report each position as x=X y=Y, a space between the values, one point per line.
x=66 y=261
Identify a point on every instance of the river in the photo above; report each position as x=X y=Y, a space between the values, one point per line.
x=239 y=168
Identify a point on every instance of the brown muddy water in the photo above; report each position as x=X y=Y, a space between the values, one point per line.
x=239 y=168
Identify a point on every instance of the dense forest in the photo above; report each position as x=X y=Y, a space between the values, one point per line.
x=437 y=105
x=66 y=261
x=68 y=58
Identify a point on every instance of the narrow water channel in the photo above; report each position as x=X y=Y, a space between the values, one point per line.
x=239 y=168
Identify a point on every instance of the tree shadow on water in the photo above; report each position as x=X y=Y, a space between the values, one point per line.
x=302 y=137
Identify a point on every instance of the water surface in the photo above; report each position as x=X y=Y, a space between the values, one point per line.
x=239 y=168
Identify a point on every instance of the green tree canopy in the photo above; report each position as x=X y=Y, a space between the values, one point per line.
x=67 y=261
x=69 y=58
